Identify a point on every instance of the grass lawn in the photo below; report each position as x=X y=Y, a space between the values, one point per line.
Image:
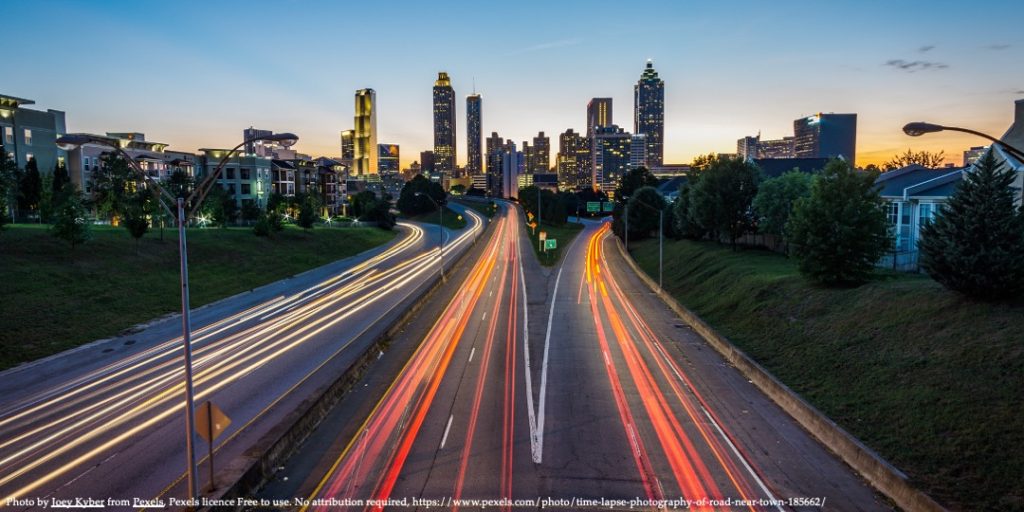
x=55 y=299
x=479 y=206
x=452 y=218
x=563 y=234
x=932 y=381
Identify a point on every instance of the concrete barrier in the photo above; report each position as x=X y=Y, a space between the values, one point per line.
x=883 y=476
x=248 y=473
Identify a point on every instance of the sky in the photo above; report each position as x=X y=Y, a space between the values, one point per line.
x=194 y=74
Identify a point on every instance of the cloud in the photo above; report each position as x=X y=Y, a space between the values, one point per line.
x=926 y=48
x=917 y=65
x=547 y=46
x=997 y=46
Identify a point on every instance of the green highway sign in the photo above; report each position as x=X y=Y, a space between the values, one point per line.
x=609 y=206
x=550 y=243
x=593 y=206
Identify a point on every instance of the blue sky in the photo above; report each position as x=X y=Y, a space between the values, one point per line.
x=194 y=74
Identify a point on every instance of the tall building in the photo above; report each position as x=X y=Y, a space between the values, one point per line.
x=649 y=113
x=612 y=151
x=364 y=151
x=427 y=162
x=573 y=161
x=972 y=155
x=474 y=135
x=348 y=145
x=495 y=147
x=444 y=125
x=538 y=159
x=249 y=135
x=638 y=151
x=776 y=148
x=826 y=136
x=511 y=163
x=746 y=148
x=28 y=134
x=599 y=113
x=387 y=159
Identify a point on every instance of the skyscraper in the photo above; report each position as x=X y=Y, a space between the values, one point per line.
x=511 y=162
x=599 y=113
x=538 y=159
x=826 y=136
x=612 y=150
x=388 y=156
x=348 y=145
x=649 y=113
x=427 y=162
x=638 y=155
x=474 y=136
x=495 y=148
x=573 y=161
x=444 y=125
x=364 y=147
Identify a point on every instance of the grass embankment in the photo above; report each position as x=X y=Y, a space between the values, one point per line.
x=932 y=381
x=562 y=234
x=480 y=206
x=452 y=218
x=54 y=298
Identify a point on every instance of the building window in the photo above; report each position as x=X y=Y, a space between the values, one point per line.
x=229 y=173
x=243 y=174
x=246 y=189
x=8 y=135
x=85 y=163
x=29 y=157
x=926 y=212
x=28 y=137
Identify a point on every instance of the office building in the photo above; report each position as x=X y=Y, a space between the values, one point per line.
x=444 y=125
x=826 y=136
x=972 y=155
x=511 y=163
x=348 y=151
x=746 y=147
x=573 y=161
x=427 y=162
x=387 y=159
x=612 y=151
x=495 y=146
x=638 y=151
x=649 y=113
x=599 y=113
x=474 y=135
x=364 y=138
x=538 y=156
x=776 y=148
x=27 y=134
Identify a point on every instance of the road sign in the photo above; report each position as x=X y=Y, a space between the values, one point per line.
x=529 y=215
x=543 y=235
x=609 y=206
x=550 y=243
x=210 y=421
x=593 y=206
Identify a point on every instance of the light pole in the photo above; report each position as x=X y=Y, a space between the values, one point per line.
x=661 y=236
x=919 y=128
x=72 y=141
x=440 y=226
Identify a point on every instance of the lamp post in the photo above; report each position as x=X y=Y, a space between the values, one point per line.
x=920 y=128
x=661 y=236
x=440 y=228
x=166 y=200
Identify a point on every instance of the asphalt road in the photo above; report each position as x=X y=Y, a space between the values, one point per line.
x=106 y=420
x=576 y=386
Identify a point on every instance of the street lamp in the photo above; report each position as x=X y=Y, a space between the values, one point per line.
x=919 y=128
x=440 y=226
x=661 y=235
x=73 y=141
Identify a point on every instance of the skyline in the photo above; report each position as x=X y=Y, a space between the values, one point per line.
x=726 y=75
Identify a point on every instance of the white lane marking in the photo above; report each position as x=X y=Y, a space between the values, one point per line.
x=490 y=293
x=471 y=352
x=446 y=429
x=483 y=317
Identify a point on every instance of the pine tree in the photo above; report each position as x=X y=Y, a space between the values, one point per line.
x=60 y=179
x=840 y=230
x=31 y=187
x=976 y=242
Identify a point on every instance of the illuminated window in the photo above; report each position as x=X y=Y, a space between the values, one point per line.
x=8 y=135
x=28 y=137
x=29 y=157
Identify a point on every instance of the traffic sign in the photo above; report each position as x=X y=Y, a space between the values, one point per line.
x=593 y=206
x=211 y=421
x=609 y=206
x=529 y=215
x=550 y=243
x=543 y=235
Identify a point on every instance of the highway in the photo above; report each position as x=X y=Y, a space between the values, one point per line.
x=106 y=420
x=591 y=394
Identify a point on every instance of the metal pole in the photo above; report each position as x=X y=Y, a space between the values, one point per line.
x=625 y=216
x=186 y=335
x=209 y=434
x=661 y=247
x=440 y=213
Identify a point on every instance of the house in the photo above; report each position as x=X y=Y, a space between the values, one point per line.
x=913 y=194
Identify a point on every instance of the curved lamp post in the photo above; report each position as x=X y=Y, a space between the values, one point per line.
x=166 y=200
x=920 y=128
x=440 y=227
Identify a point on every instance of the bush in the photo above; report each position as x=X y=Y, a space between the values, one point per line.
x=262 y=226
x=70 y=223
x=975 y=243
x=840 y=230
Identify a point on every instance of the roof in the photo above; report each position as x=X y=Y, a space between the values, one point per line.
x=775 y=167
x=13 y=102
x=918 y=181
x=672 y=185
x=284 y=164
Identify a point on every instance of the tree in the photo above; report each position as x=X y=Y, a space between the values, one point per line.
x=684 y=223
x=262 y=226
x=974 y=244
x=458 y=190
x=633 y=180
x=411 y=204
x=923 y=158
x=112 y=185
x=362 y=203
x=31 y=187
x=179 y=184
x=276 y=202
x=774 y=200
x=380 y=213
x=61 y=179
x=47 y=203
x=643 y=209
x=70 y=223
x=307 y=214
x=8 y=171
x=839 y=231
x=136 y=215
x=250 y=211
x=721 y=196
